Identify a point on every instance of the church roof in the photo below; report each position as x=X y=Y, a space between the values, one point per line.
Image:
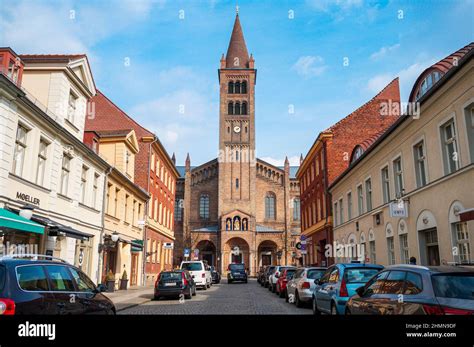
x=237 y=48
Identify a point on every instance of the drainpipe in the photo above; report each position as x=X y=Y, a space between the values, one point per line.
x=145 y=214
x=102 y=231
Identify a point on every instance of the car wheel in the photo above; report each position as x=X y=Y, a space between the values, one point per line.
x=265 y=285
x=316 y=312
x=287 y=298
x=194 y=291
x=348 y=312
x=189 y=295
x=156 y=298
x=229 y=281
x=298 y=302
x=333 y=309
x=246 y=281
x=205 y=287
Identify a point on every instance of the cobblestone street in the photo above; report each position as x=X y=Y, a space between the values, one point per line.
x=223 y=298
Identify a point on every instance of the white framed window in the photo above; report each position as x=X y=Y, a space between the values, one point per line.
x=20 y=150
x=341 y=211
x=42 y=160
x=336 y=213
x=373 y=258
x=71 y=109
x=398 y=176
x=84 y=173
x=65 y=171
x=360 y=200
x=368 y=194
x=461 y=235
x=420 y=164
x=95 y=190
x=390 y=250
x=450 y=148
x=296 y=209
x=404 y=250
x=385 y=185
x=349 y=206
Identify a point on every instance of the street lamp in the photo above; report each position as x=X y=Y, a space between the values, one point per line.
x=115 y=237
x=27 y=211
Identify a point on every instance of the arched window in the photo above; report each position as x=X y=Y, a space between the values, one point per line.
x=427 y=83
x=204 y=206
x=237 y=225
x=230 y=108
x=231 y=88
x=356 y=153
x=270 y=206
x=244 y=87
x=296 y=209
x=237 y=88
x=244 y=108
x=237 y=108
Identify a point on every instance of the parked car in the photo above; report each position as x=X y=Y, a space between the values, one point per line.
x=260 y=274
x=199 y=272
x=299 y=289
x=273 y=278
x=236 y=273
x=282 y=281
x=432 y=290
x=268 y=271
x=174 y=284
x=216 y=276
x=338 y=284
x=39 y=284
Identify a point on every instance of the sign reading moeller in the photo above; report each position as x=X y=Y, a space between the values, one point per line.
x=27 y=198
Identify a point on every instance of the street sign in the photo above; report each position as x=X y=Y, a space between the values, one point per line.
x=187 y=252
x=298 y=245
x=398 y=209
x=303 y=237
x=168 y=245
x=141 y=223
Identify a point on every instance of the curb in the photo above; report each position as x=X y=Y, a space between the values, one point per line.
x=126 y=307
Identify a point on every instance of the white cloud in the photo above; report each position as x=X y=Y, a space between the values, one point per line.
x=294 y=160
x=309 y=66
x=382 y=52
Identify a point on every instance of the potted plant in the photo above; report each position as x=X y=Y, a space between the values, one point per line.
x=124 y=280
x=110 y=281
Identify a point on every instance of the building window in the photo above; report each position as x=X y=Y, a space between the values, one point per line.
x=244 y=87
x=390 y=251
x=450 y=152
x=341 y=211
x=420 y=158
x=270 y=206
x=385 y=185
x=349 y=206
x=360 y=200
x=358 y=151
x=20 y=150
x=368 y=194
x=230 y=108
x=72 y=104
x=237 y=110
x=95 y=190
x=373 y=258
x=244 y=108
x=237 y=88
x=296 y=209
x=398 y=175
x=84 y=171
x=236 y=183
x=178 y=210
x=404 y=251
x=125 y=213
x=231 y=88
x=65 y=170
x=204 y=206
x=336 y=214
x=427 y=83
x=127 y=161
x=42 y=160
x=461 y=235
x=109 y=196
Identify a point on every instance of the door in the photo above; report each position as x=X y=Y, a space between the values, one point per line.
x=65 y=294
x=134 y=270
x=433 y=255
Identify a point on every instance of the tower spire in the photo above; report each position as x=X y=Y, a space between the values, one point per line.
x=237 y=54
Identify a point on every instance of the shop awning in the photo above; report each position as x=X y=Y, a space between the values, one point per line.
x=137 y=245
x=10 y=220
x=56 y=229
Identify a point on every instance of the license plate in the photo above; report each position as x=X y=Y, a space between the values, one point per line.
x=170 y=284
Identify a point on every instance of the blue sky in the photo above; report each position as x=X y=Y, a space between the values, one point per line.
x=150 y=60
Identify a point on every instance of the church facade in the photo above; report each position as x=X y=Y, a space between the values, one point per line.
x=237 y=208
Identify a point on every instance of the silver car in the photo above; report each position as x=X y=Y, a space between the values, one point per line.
x=300 y=289
x=274 y=275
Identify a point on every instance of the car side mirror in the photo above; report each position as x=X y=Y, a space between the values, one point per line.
x=360 y=291
x=101 y=288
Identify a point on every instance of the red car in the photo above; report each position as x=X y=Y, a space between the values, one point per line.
x=285 y=276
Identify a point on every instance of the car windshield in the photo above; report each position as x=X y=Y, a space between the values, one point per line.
x=459 y=285
x=192 y=266
x=315 y=274
x=171 y=275
x=236 y=267
x=360 y=275
x=290 y=272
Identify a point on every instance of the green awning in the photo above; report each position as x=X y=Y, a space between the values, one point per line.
x=137 y=246
x=10 y=220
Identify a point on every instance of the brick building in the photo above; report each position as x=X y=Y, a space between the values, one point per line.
x=155 y=172
x=237 y=208
x=329 y=156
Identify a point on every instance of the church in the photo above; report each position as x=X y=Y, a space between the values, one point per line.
x=237 y=208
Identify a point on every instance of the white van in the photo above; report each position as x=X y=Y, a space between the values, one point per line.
x=199 y=271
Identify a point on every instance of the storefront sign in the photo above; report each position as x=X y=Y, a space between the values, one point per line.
x=27 y=198
x=168 y=245
x=398 y=209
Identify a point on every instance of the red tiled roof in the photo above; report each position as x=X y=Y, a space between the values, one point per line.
x=41 y=57
x=369 y=141
x=444 y=65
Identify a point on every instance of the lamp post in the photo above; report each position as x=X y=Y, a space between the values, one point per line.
x=115 y=236
x=27 y=211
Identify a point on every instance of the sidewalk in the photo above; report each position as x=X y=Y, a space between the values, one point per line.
x=131 y=297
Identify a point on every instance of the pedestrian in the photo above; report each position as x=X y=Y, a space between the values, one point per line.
x=412 y=261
